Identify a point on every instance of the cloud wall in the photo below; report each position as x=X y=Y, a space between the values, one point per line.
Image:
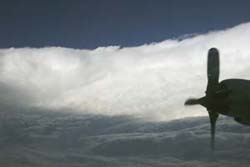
x=152 y=80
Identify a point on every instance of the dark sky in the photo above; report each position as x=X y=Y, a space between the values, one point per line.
x=94 y=23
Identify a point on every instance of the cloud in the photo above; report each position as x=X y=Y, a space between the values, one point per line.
x=66 y=139
x=152 y=80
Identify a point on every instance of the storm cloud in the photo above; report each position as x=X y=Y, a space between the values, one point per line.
x=69 y=107
x=151 y=81
x=45 y=138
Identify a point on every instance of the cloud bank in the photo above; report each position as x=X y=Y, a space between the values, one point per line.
x=66 y=139
x=151 y=81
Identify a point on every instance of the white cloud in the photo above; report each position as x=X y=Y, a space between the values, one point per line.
x=150 y=80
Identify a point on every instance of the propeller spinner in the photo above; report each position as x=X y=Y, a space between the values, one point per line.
x=209 y=101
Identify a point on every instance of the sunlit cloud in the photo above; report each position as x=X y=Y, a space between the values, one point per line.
x=152 y=80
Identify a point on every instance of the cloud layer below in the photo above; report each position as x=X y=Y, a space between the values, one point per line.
x=150 y=81
x=65 y=139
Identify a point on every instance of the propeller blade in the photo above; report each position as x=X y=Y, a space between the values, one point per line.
x=213 y=116
x=192 y=101
x=213 y=70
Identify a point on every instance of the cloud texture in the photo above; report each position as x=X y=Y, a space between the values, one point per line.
x=151 y=81
x=65 y=139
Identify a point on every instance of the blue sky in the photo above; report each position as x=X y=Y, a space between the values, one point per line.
x=92 y=23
